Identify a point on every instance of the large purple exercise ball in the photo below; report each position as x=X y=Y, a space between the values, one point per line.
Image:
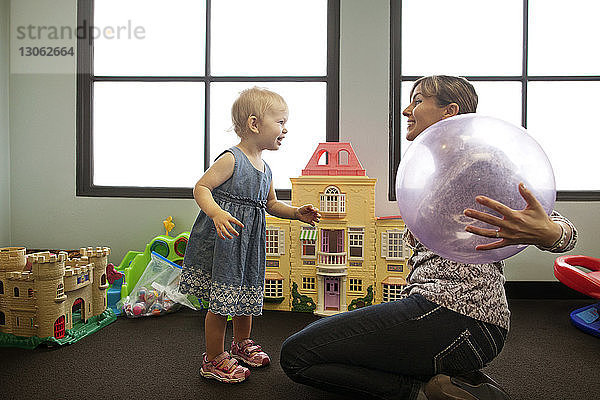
x=452 y=162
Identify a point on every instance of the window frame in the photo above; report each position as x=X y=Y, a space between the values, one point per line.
x=395 y=251
x=356 y=234
x=272 y=241
x=397 y=79
x=85 y=81
x=390 y=292
x=332 y=202
x=273 y=286
x=355 y=285
x=60 y=290
x=307 y=243
x=309 y=284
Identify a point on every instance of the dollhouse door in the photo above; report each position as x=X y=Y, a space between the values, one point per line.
x=332 y=293
x=332 y=241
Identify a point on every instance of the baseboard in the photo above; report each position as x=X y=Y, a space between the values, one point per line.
x=541 y=290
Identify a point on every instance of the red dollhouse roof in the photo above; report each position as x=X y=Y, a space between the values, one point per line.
x=336 y=159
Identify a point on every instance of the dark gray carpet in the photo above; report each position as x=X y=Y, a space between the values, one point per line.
x=545 y=357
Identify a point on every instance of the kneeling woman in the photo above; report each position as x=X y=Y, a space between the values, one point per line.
x=452 y=319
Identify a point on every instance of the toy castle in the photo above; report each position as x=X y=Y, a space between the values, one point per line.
x=45 y=294
x=351 y=258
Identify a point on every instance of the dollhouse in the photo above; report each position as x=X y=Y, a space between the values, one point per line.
x=44 y=294
x=351 y=258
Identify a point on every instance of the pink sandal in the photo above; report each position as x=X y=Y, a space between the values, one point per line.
x=224 y=369
x=250 y=353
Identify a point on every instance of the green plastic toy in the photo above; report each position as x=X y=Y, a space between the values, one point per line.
x=135 y=262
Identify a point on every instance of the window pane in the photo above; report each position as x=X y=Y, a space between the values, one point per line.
x=269 y=37
x=500 y=99
x=149 y=37
x=571 y=142
x=562 y=39
x=497 y=99
x=468 y=37
x=306 y=124
x=148 y=134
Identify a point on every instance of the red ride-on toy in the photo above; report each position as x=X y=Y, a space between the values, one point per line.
x=587 y=282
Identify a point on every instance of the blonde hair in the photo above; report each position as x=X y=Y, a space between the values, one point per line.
x=449 y=89
x=253 y=101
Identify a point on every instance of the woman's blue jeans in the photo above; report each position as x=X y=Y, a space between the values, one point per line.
x=387 y=351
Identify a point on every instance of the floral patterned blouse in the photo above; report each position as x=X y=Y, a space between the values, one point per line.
x=474 y=290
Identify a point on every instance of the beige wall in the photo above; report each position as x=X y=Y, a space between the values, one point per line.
x=4 y=126
x=45 y=212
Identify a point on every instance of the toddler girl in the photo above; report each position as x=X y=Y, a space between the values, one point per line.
x=223 y=264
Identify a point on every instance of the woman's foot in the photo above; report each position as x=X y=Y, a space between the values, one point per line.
x=474 y=385
x=250 y=353
x=223 y=368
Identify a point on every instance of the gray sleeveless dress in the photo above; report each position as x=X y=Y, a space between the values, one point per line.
x=230 y=273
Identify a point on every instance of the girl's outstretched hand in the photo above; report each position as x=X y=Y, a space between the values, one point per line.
x=528 y=226
x=223 y=221
x=307 y=213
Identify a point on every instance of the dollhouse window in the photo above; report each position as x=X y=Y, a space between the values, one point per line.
x=343 y=157
x=308 y=283
x=333 y=201
x=60 y=290
x=308 y=236
x=16 y=292
x=355 y=285
x=275 y=242
x=1 y=287
x=391 y=292
x=30 y=292
x=356 y=242
x=274 y=288
x=309 y=247
x=272 y=241
x=2 y=318
x=323 y=158
x=392 y=244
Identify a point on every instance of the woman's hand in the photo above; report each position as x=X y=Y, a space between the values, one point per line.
x=528 y=226
x=223 y=221
x=307 y=213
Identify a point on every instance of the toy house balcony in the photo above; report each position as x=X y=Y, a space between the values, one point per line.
x=333 y=203
x=332 y=260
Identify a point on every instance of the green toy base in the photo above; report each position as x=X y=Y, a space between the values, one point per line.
x=71 y=336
